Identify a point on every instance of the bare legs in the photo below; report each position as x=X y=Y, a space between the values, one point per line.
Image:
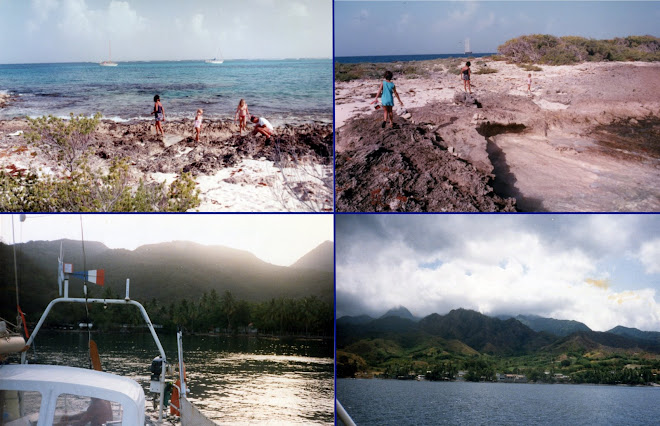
x=466 y=85
x=242 y=123
x=388 y=115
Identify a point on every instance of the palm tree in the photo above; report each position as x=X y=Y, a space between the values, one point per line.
x=228 y=306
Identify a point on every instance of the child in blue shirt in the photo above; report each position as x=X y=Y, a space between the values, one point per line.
x=387 y=89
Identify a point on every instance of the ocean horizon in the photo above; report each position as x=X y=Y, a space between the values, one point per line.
x=405 y=58
x=284 y=91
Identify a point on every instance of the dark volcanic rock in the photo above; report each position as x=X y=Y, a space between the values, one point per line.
x=408 y=170
x=219 y=146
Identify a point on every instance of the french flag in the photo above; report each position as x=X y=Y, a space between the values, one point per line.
x=95 y=276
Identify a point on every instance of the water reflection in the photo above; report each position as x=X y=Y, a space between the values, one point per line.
x=233 y=380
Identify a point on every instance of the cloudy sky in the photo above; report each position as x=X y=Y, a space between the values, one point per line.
x=364 y=28
x=80 y=30
x=280 y=239
x=602 y=270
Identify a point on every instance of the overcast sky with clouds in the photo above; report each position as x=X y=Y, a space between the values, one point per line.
x=364 y=28
x=79 y=30
x=280 y=239
x=602 y=270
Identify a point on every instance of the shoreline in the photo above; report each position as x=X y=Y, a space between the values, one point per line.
x=652 y=385
x=232 y=172
x=572 y=144
x=279 y=119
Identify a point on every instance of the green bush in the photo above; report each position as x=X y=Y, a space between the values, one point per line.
x=86 y=190
x=79 y=188
x=530 y=67
x=64 y=142
x=486 y=70
x=559 y=55
x=547 y=49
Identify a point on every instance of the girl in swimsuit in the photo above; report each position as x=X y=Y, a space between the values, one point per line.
x=465 y=76
x=198 y=124
x=387 y=89
x=159 y=113
x=242 y=115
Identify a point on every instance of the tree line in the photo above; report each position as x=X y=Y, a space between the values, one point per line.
x=308 y=316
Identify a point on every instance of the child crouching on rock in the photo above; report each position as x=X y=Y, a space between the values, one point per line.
x=387 y=89
x=263 y=126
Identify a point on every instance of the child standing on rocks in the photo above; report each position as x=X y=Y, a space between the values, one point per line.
x=198 y=123
x=159 y=113
x=387 y=89
x=465 y=75
x=242 y=115
x=529 y=83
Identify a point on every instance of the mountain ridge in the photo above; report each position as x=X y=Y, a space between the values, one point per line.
x=166 y=272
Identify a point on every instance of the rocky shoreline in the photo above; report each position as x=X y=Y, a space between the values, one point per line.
x=293 y=172
x=584 y=139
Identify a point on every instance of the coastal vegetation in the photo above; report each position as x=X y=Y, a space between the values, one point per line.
x=78 y=186
x=213 y=312
x=465 y=345
x=413 y=69
x=551 y=50
x=525 y=50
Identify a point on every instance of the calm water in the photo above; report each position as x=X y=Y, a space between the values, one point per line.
x=284 y=90
x=392 y=402
x=234 y=380
x=403 y=58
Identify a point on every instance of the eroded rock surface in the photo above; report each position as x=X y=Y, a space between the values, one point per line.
x=408 y=170
x=584 y=139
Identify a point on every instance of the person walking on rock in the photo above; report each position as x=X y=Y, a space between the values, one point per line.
x=465 y=76
x=529 y=83
x=387 y=88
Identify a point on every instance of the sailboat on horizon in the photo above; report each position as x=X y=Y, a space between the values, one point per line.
x=468 y=51
x=215 y=59
x=109 y=62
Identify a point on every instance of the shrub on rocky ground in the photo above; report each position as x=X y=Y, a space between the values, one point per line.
x=530 y=67
x=75 y=186
x=486 y=70
x=548 y=49
x=87 y=190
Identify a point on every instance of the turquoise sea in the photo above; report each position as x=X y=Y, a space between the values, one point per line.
x=284 y=91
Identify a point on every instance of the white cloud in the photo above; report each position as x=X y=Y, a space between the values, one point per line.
x=79 y=30
x=465 y=12
x=487 y=22
x=403 y=23
x=649 y=255
x=77 y=19
x=197 y=26
x=531 y=265
x=124 y=20
x=42 y=8
x=298 y=10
